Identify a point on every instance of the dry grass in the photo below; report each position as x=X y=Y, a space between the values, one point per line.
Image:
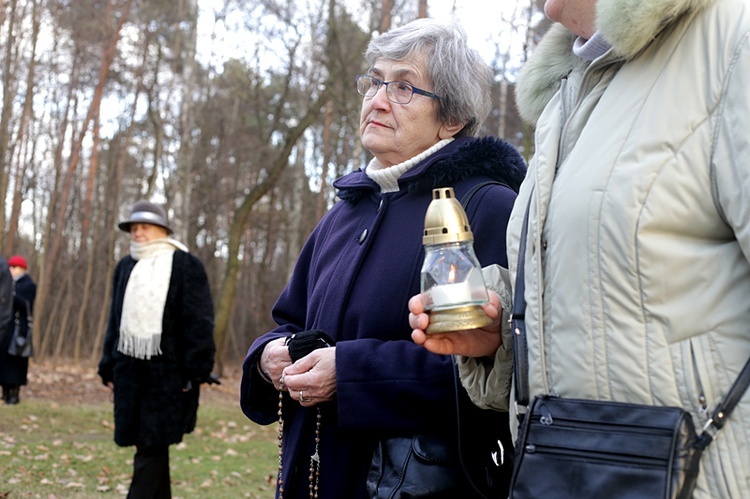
x=58 y=443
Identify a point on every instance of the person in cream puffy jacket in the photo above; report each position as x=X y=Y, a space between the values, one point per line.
x=638 y=251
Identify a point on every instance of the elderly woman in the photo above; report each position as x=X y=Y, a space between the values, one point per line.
x=159 y=346
x=14 y=369
x=425 y=95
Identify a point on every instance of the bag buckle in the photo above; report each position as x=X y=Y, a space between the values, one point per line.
x=707 y=435
x=502 y=454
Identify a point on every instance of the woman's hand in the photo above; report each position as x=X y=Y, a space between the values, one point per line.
x=273 y=360
x=312 y=379
x=472 y=343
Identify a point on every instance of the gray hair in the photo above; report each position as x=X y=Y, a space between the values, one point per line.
x=459 y=75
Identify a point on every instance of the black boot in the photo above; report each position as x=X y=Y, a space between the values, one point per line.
x=6 y=393
x=14 y=396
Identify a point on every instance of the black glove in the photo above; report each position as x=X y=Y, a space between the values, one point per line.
x=211 y=379
x=301 y=344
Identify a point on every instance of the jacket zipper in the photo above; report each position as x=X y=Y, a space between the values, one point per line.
x=562 y=423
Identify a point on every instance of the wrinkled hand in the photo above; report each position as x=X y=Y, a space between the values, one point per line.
x=274 y=359
x=314 y=375
x=472 y=343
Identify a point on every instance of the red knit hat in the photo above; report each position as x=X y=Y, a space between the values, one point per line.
x=18 y=261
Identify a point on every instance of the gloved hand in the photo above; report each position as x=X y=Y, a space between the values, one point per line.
x=211 y=379
x=302 y=343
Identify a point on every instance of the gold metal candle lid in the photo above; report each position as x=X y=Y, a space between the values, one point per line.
x=445 y=220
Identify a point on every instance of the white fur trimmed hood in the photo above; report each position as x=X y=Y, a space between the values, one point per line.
x=628 y=25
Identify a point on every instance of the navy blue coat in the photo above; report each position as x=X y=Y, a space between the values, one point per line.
x=353 y=279
x=14 y=370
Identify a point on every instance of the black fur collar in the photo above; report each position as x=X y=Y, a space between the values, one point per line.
x=487 y=156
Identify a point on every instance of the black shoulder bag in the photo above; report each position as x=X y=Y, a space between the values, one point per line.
x=20 y=345
x=590 y=448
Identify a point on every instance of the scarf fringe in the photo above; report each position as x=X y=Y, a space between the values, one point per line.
x=140 y=347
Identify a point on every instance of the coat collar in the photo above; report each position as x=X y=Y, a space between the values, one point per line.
x=629 y=26
x=457 y=161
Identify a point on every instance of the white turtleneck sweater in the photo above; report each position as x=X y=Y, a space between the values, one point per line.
x=387 y=177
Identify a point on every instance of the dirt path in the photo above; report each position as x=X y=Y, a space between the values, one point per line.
x=67 y=384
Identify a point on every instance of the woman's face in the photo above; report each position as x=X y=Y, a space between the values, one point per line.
x=579 y=16
x=394 y=132
x=143 y=233
x=17 y=271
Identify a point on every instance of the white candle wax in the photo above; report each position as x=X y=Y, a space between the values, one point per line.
x=451 y=294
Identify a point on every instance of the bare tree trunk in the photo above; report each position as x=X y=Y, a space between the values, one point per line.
x=83 y=309
x=241 y=216
x=296 y=215
x=108 y=56
x=84 y=251
x=9 y=86
x=26 y=115
x=53 y=325
x=59 y=211
x=320 y=209
x=90 y=187
x=386 y=14
x=114 y=188
x=183 y=196
x=502 y=107
x=66 y=305
x=41 y=295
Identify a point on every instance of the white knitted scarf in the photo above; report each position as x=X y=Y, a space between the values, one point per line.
x=145 y=297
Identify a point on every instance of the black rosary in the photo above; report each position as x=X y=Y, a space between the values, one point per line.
x=300 y=345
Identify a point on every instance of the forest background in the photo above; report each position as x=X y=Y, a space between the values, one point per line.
x=105 y=102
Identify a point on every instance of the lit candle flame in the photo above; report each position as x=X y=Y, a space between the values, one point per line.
x=452 y=274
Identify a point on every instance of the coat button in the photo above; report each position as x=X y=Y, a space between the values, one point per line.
x=363 y=236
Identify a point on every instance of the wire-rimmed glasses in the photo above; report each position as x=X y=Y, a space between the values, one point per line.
x=398 y=92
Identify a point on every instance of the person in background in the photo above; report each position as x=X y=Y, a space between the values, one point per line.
x=424 y=97
x=13 y=368
x=637 y=269
x=159 y=346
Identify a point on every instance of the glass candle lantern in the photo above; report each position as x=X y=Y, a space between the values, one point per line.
x=451 y=276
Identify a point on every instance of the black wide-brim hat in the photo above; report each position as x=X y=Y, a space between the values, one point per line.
x=146 y=212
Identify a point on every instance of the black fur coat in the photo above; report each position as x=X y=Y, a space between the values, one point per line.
x=151 y=408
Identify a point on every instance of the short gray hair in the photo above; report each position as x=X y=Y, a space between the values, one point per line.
x=459 y=75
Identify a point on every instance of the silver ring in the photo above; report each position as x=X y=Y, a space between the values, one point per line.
x=302 y=397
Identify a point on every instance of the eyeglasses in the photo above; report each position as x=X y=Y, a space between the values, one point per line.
x=399 y=92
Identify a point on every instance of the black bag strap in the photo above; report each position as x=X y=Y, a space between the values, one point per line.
x=490 y=487
x=724 y=408
x=521 y=360
x=29 y=318
x=466 y=199
x=518 y=323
